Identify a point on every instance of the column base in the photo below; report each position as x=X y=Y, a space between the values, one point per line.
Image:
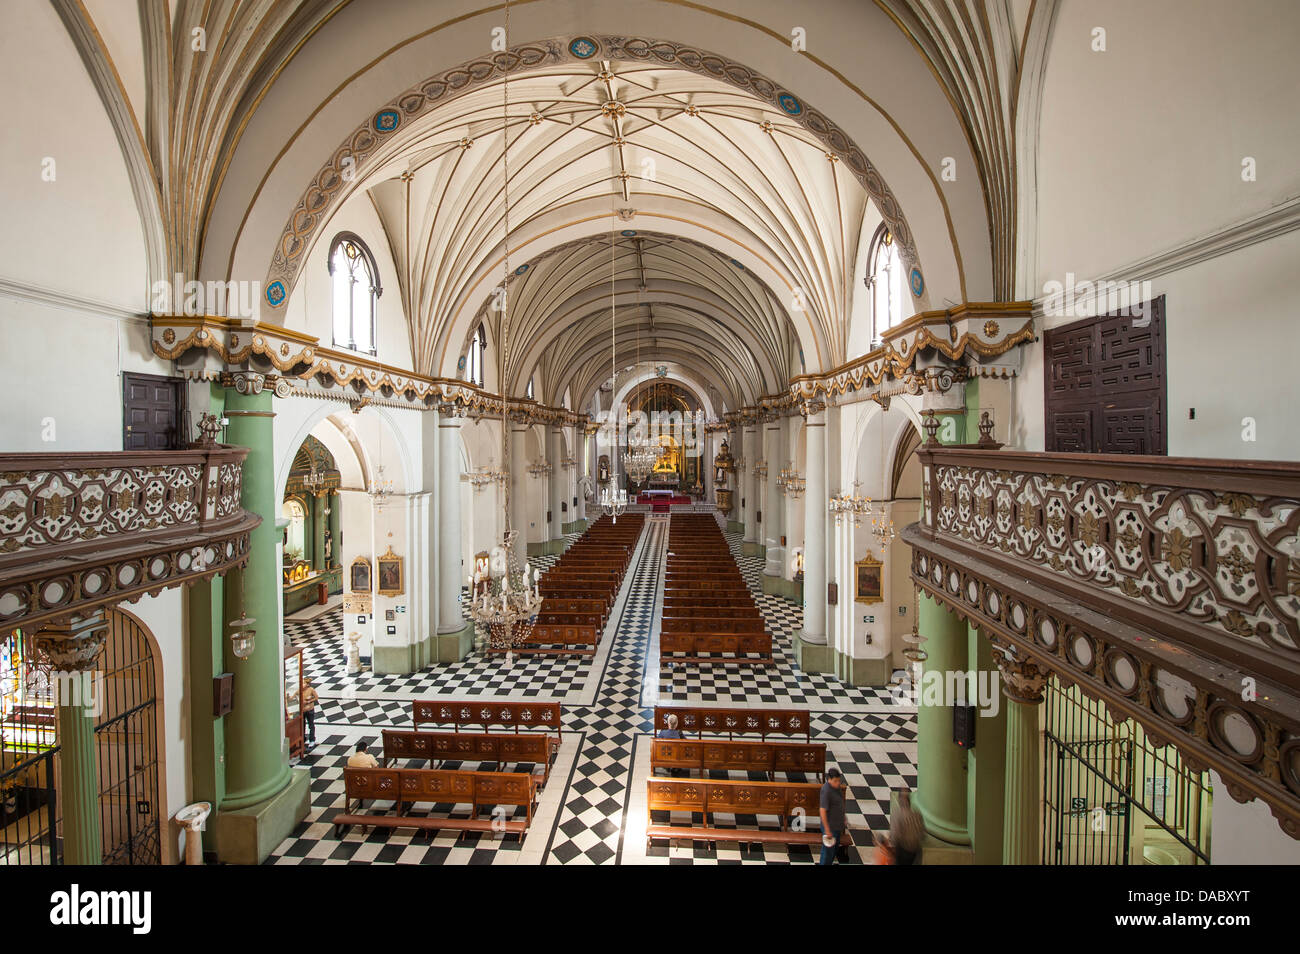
x=578 y=526
x=453 y=647
x=934 y=851
x=751 y=549
x=735 y=526
x=946 y=835
x=549 y=548
x=403 y=660
x=247 y=836
x=780 y=586
x=819 y=657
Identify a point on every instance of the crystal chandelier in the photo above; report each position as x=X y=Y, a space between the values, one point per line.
x=790 y=481
x=853 y=506
x=314 y=481
x=540 y=468
x=760 y=470
x=640 y=460
x=484 y=476
x=568 y=463
x=613 y=502
x=381 y=488
x=504 y=600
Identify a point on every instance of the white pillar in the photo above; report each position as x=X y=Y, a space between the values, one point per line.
x=449 y=569
x=814 y=533
x=519 y=486
x=424 y=551
x=747 y=485
x=773 y=505
x=790 y=522
x=558 y=477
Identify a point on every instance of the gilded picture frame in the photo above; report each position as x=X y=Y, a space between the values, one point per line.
x=390 y=574
x=868 y=580
x=359 y=575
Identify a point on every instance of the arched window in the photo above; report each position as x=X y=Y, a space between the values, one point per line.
x=474 y=358
x=356 y=292
x=887 y=282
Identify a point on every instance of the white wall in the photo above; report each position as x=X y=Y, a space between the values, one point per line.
x=1247 y=834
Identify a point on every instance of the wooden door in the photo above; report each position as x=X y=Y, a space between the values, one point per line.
x=1105 y=387
x=151 y=412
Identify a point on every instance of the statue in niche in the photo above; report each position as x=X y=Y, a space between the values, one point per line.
x=329 y=549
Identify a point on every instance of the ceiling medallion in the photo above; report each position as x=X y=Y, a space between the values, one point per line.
x=613 y=109
x=619 y=141
x=466 y=142
x=535 y=119
x=831 y=157
x=692 y=110
x=605 y=76
x=626 y=215
x=767 y=127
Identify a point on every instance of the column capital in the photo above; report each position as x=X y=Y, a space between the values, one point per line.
x=1023 y=678
x=73 y=645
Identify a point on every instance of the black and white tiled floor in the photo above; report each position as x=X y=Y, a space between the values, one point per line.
x=592 y=809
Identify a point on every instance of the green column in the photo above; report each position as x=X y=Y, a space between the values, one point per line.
x=256 y=761
x=73 y=648
x=941 y=766
x=318 y=522
x=1023 y=681
x=336 y=545
x=206 y=614
x=986 y=762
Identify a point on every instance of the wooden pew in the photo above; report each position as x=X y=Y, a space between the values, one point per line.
x=514 y=749
x=784 y=800
x=511 y=715
x=405 y=787
x=714 y=720
x=718 y=755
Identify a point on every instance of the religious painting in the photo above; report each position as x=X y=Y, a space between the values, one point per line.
x=360 y=575
x=867 y=580
x=390 y=574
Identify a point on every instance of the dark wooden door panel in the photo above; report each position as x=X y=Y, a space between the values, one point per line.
x=1105 y=384
x=151 y=412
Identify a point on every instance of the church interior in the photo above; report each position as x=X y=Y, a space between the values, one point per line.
x=551 y=432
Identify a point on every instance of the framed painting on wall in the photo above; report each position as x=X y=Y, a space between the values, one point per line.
x=359 y=575
x=390 y=574
x=867 y=586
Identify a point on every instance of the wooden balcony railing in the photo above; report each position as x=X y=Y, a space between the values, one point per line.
x=80 y=531
x=1167 y=587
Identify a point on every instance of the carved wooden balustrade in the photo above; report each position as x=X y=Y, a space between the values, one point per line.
x=1167 y=587
x=82 y=531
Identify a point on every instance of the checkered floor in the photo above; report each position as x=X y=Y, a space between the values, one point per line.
x=588 y=813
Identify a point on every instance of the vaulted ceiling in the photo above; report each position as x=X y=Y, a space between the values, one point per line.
x=738 y=215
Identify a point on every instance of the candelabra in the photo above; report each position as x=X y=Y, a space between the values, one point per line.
x=540 y=468
x=505 y=599
x=484 y=476
x=568 y=462
x=790 y=481
x=738 y=465
x=314 y=481
x=760 y=470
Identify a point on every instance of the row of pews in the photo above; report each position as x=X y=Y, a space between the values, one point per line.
x=795 y=804
x=405 y=787
x=579 y=591
x=709 y=615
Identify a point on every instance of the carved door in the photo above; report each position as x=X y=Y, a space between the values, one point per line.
x=151 y=412
x=1105 y=387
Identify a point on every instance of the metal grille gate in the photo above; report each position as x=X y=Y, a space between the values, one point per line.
x=126 y=745
x=1111 y=797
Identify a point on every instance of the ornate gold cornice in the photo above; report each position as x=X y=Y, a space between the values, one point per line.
x=282 y=354
x=972 y=329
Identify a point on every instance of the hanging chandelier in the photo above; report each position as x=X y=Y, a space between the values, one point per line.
x=540 y=468
x=790 y=481
x=381 y=488
x=854 y=506
x=502 y=604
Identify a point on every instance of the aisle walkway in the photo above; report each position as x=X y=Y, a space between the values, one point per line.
x=592 y=809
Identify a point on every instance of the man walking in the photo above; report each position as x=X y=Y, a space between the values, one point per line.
x=832 y=814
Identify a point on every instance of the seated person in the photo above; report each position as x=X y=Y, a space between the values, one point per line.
x=361 y=758
x=672 y=732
